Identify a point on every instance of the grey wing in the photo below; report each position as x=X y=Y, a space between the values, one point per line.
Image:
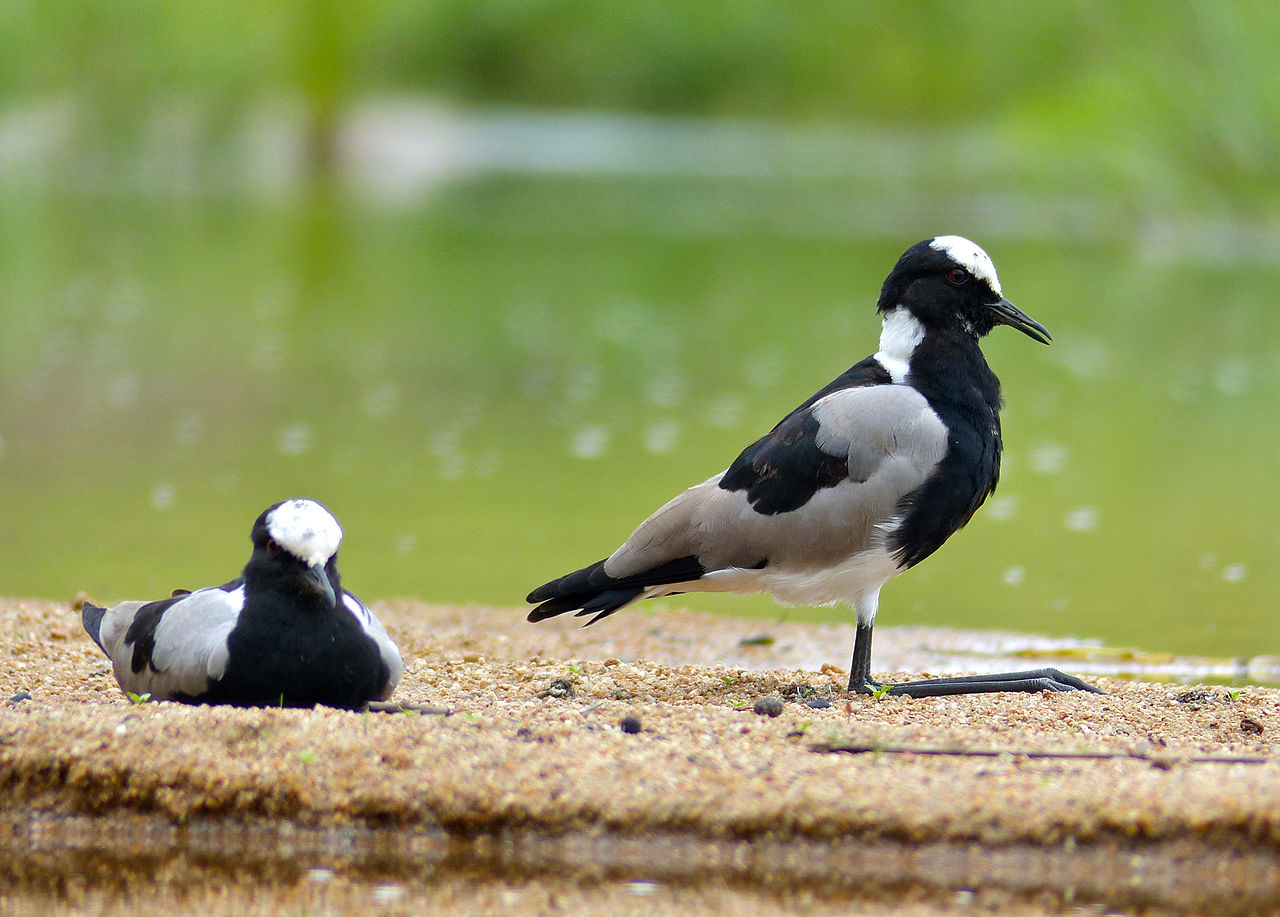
x=820 y=488
x=891 y=437
x=386 y=646
x=171 y=648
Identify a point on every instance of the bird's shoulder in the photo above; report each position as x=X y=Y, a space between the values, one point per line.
x=844 y=432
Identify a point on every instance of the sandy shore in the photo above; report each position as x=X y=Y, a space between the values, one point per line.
x=529 y=792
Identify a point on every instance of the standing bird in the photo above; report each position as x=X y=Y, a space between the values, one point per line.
x=861 y=482
x=284 y=633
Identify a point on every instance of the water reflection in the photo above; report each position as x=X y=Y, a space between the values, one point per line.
x=661 y=436
x=73 y=865
x=589 y=442
x=1081 y=519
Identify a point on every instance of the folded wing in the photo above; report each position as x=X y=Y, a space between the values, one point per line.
x=171 y=648
x=823 y=486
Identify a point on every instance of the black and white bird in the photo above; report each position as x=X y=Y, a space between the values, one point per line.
x=864 y=480
x=283 y=633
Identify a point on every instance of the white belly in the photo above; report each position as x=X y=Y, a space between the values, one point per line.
x=855 y=581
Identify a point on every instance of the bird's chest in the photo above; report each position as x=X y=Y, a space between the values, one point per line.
x=965 y=477
x=305 y=656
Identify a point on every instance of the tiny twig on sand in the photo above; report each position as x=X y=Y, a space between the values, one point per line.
x=1158 y=760
x=406 y=707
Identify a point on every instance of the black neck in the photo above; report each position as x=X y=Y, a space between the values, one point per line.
x=949 y=369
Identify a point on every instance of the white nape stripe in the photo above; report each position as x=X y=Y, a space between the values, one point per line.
x=358 y=610
x=374 y=629
x=899 y=338
x=306 y=530
x=971 y=258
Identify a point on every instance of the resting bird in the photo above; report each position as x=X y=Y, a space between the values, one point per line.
x=862 y=481
x=284 y=633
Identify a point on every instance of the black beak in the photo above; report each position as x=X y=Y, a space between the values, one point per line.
x=316 y=581
x=1006 y=313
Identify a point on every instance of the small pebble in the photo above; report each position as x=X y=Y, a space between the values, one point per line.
x=819 y=703
x=768 y=706
x=1198 y=696
x=560 y=687
x=20 y=697
x=630 y=725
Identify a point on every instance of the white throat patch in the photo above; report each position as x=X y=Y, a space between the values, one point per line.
x=899 y=337
x=971 y=258
x=306 y=530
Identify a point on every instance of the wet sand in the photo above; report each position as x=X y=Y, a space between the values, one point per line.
x=529 y=797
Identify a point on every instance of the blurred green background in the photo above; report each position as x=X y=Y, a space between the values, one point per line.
x=494 y=280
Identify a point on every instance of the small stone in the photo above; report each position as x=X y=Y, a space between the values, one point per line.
x=560 y=687
x=768 y=706
x=819 y=703
x=1250 y=725
x=630 y=725
x=1197 y=696
x=20 y=697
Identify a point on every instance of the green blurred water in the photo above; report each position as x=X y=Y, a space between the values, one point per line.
x=494 y=384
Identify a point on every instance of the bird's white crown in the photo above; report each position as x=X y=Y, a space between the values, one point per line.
x=306 y=530
x=970 y=257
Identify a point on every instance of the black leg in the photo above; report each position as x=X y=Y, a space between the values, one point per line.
x=1032 y=681
x=860 y=680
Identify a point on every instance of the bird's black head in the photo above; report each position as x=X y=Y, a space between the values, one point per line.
x=295 y=551
x=950 y=284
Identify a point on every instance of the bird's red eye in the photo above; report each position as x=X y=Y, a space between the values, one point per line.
x=957 y=276
x=272 y=547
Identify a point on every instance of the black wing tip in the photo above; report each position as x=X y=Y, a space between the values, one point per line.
x=575 y=583
x=595 y=592
x=91 y=617
x=541 y=613
x=600 y=603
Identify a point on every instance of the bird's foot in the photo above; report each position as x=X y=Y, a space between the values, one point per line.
x=1031 y=682
x=869 y=687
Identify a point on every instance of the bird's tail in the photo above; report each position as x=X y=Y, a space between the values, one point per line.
x=591 y=591
x=91 y=616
